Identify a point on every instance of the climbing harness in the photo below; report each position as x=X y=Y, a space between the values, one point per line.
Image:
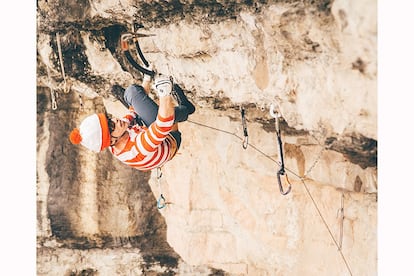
x=161 y=200
x=128 y=39
x=282 y=164
x=246 y=136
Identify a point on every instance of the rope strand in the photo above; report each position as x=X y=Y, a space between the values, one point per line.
x=302 y=179
x=62 y=67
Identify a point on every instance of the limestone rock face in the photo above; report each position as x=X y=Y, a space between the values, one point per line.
x=314 y=64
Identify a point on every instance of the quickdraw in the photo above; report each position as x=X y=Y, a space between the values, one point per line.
x=62 y=67
x=132 y=38
x=341 y=213
x=161 y=200
x=282 y=164
x=246 y=135
x=53 y=93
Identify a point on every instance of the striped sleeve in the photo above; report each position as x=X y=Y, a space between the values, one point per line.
x=156 y=133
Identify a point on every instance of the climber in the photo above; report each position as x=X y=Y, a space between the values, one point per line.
x=142 y=147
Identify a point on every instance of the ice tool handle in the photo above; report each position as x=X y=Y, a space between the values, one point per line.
x=126 y=40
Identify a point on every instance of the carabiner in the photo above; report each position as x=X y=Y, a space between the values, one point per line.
x=272 y=113
x=161 y=202
x=279 y=173
x=245 y=142
x=282 y=163
x=52 y=94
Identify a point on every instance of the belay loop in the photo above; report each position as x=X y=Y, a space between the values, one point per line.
x=282 y=163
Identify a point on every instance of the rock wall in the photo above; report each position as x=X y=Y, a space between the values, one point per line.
x=315 y=62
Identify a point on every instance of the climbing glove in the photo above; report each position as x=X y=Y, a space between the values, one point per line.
x=163 y=85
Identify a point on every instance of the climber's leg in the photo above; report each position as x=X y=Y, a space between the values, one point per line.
x=143 y=105
x=146 y=108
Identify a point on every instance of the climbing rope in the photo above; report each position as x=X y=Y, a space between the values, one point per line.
x=62 y=67
x=315 y=162
x=127 y=39
x=302 y=179
x=326 y=224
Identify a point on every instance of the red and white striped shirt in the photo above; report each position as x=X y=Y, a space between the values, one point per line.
x=148 y=148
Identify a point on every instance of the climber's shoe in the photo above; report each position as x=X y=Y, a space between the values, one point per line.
x=182 y=99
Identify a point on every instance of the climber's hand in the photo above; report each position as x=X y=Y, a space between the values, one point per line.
x=163 y=85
